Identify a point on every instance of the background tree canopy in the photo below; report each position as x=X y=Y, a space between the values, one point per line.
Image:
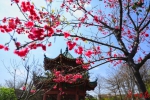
x=7 y=94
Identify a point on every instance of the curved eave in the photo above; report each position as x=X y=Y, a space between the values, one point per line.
x=49 y=82
x=91 y=85
x=59 y=59
x=60 y=56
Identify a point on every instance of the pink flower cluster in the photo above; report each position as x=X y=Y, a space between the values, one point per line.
x=69 y=78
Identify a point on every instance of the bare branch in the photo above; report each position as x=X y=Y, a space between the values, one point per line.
x=106 y=62
x=143 y=61
x=144 y=26
x=128 y=13
x=121 y=15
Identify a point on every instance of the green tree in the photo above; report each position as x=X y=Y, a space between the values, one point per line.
x=7 y=94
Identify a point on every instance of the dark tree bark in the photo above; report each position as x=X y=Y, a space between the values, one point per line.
x=139 y=80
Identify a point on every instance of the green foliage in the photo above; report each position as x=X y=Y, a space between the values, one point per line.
x=110 y=98
x=136 y=5
x=148 y=88
x=90 y=99
x=7 y=94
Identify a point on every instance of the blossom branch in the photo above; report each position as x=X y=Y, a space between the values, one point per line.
x=112 y=29
x=105 y=44
x=106 y=62
x=144 y=17
x=22 y=12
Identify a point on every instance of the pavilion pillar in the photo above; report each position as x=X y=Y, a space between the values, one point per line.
x=44 y=97
x=58 y=96
x=77 y=96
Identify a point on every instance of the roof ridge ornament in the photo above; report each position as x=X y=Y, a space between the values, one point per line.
x=60 y=51
x=45 y=56
x=66 y=50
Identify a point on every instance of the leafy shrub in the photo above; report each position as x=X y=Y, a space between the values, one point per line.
x=7 y=94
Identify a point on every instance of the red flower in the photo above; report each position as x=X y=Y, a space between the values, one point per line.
x=29 y=24
x=60 y=89
x=33 y=91
x=50 y=30
x=85 y=66
x=109 y=53
x=62 y=5
x=139 y=59
x=17 y=44
x=71 y=45
x=146 y=35
x=115 y=55
x=44 y=47
x=66 y=34
x=49 y=0
x=23 y=88
x=22 y=52
x=16 y=1
x=76 y=76
x=79 y=61
x=98 y=48
x=96 y=19
x=55 y=87
x=17 y=21
x=12 y=24
x=69 y=78
x=37 y=33
x=76 y=38
x=49 y=44
x=129 y=32
x=33 y=46
x=100 y=28
x=79 y=50
x=6 y=48
x=4 y=20
x=57 y=30
x=88 y=53
x=130 y=36
x=1 y=46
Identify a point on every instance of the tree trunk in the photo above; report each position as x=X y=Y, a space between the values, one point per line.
x=140 y=82
x=120 y=93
